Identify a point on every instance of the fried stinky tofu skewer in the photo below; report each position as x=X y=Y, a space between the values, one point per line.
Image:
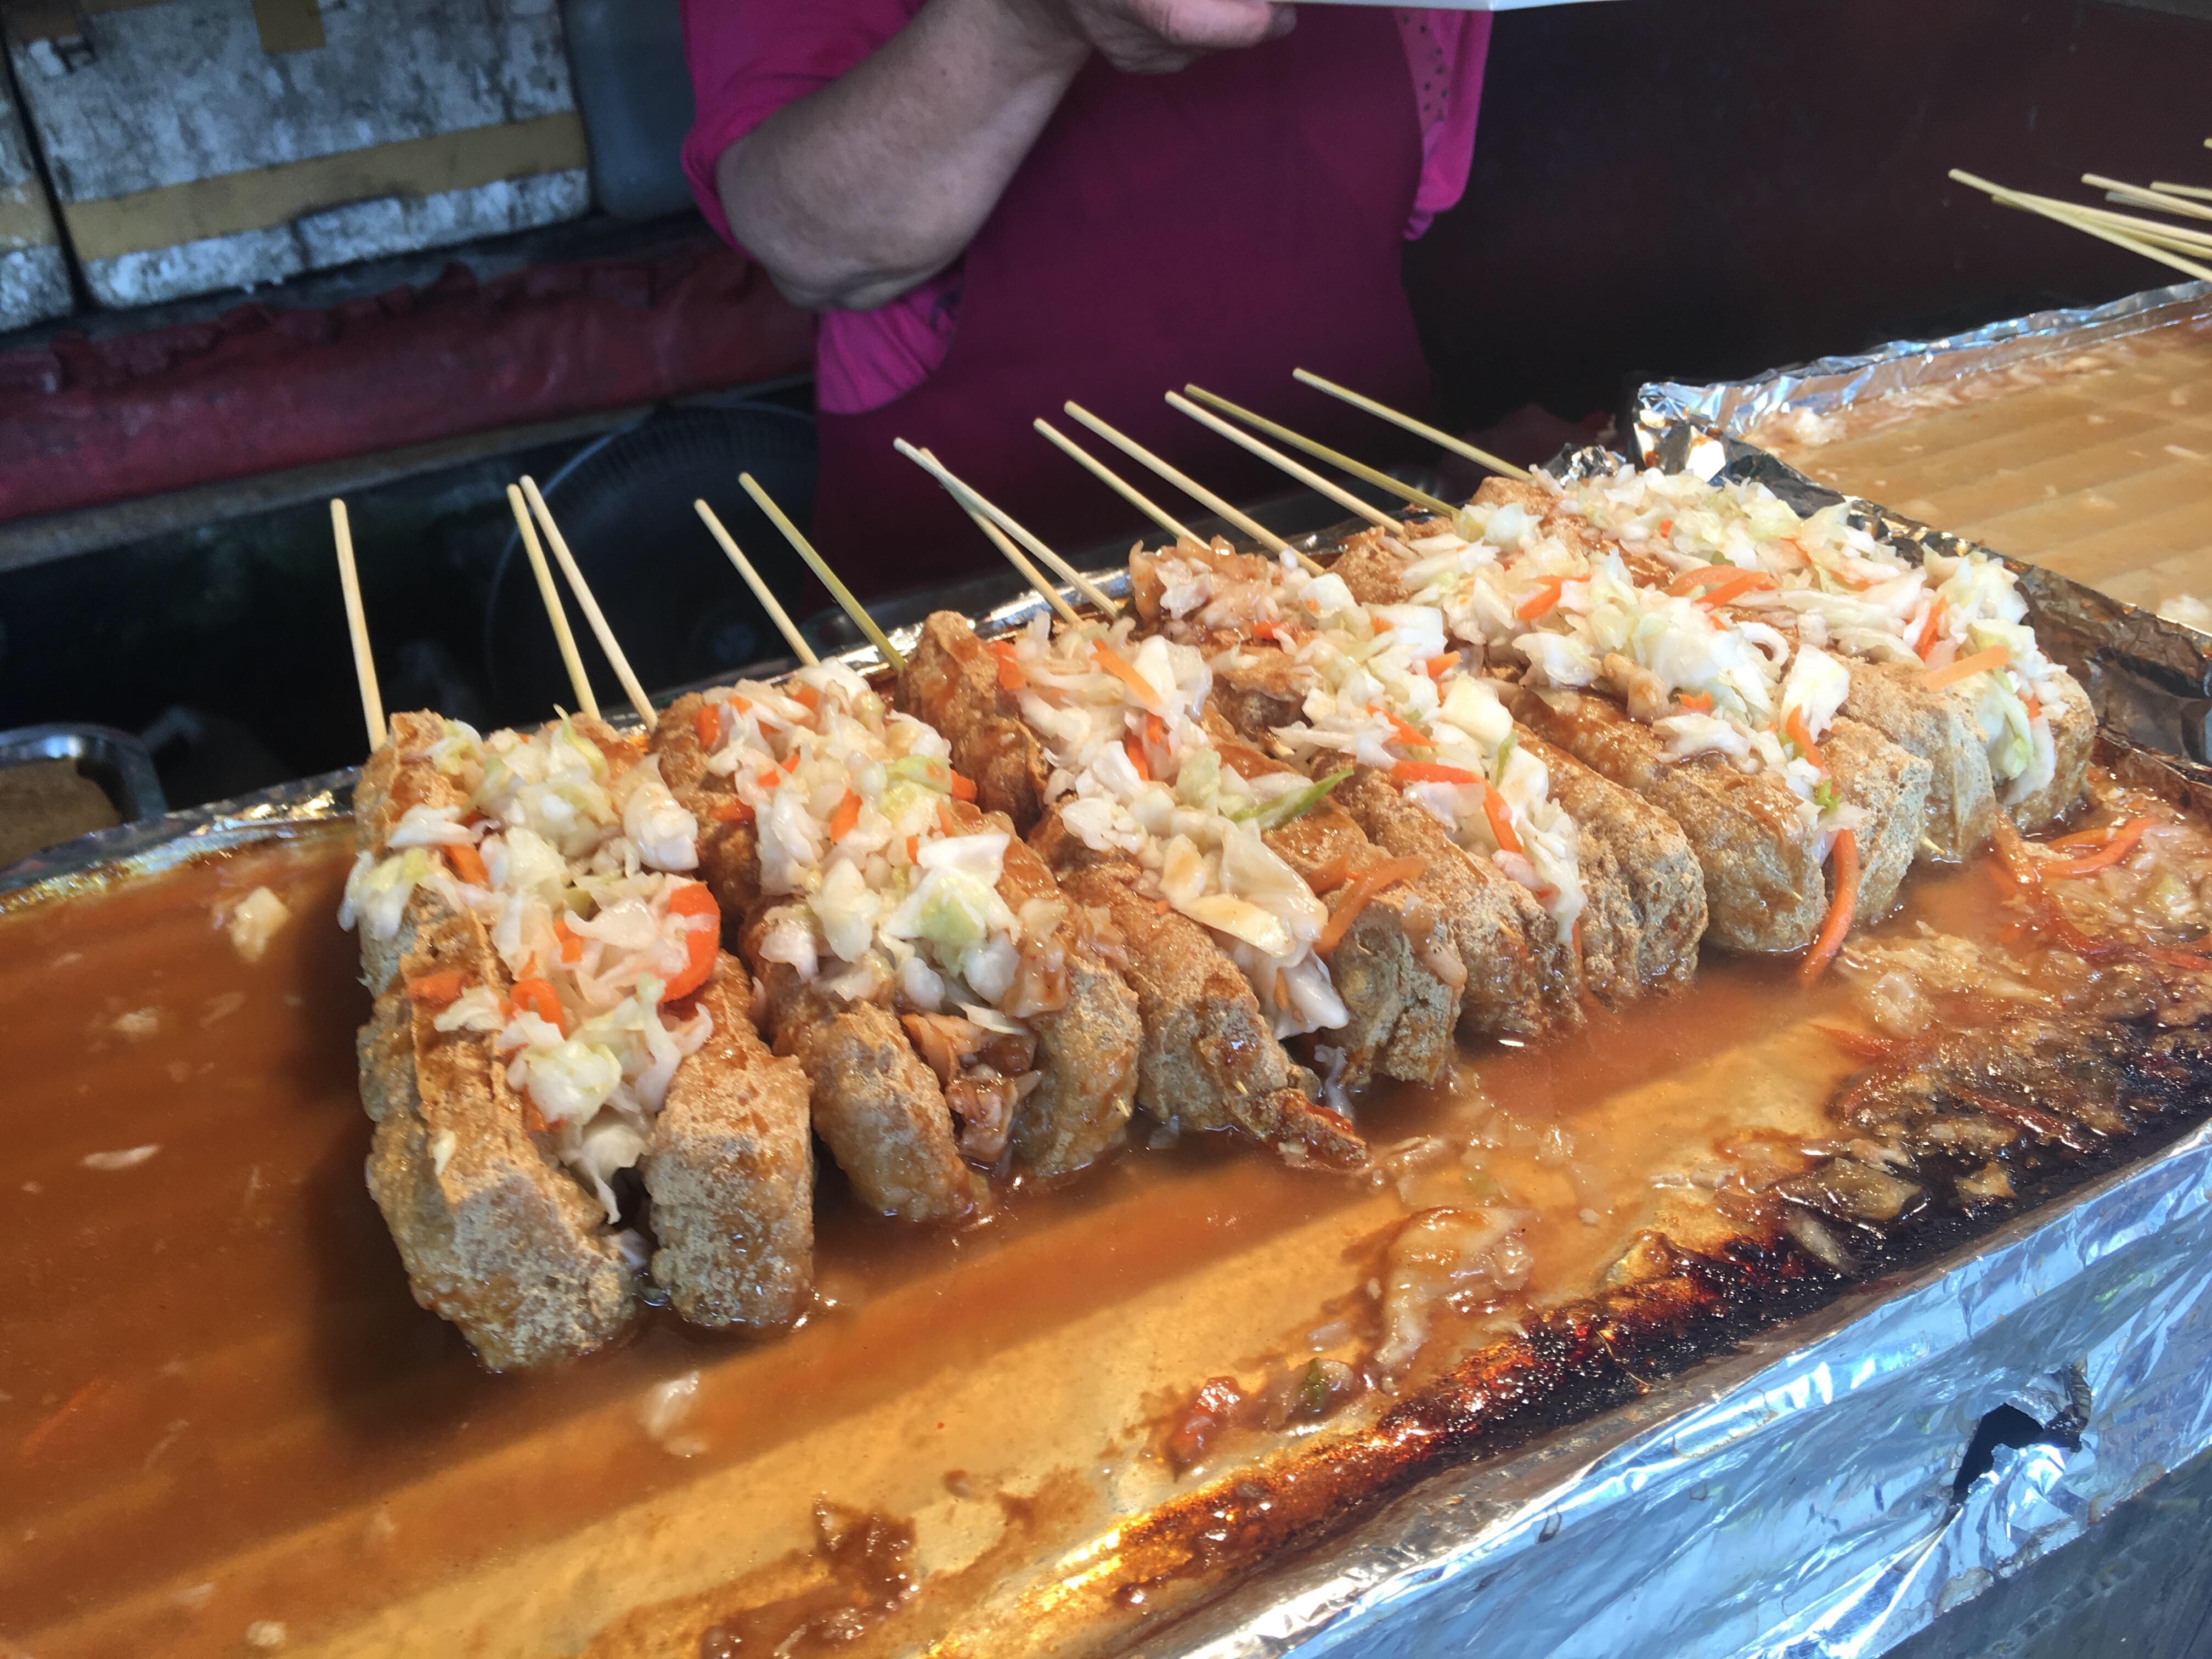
x=1616 y=876
x=1212 y=1054
x=1395 y=968
x=1757 y=768
x=908 y=870
x=1766 y=888
x=632 y=1047
x=2017 y=722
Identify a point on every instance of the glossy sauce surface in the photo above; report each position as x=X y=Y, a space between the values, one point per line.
x=2097 y=463
x=219 y=1405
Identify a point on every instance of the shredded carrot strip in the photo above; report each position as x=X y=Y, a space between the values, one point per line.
x=769 y=779
x=731 y=811
x=706 y=721
x=1135 y=751
x=1545 y=596
x=1931 y=630
x=468 y=864
x=791 y=761
x=700 y=945
x=1383 y=624
x=1331 y=876
x=2097 y=837
x=1965 y=668
x=537 y=996
x=1691 y=581
x=1409 y=732
x=1408 y=771
x=1794 y=728
x=964 y=788
x=1699 y=703
x=1441 y=664
x=436 y=990
x=2122 y=844
x=1011 y=674
x=567 y=945
x=1501 y=821
x=845 y=817
x=1844 y=880
x=1735 y=587
x=1156 y=732
x=946 y=822
x=2033 y=704
x=1362 y=891
x=807 y=697
x=914 y=849
x=1124 y=671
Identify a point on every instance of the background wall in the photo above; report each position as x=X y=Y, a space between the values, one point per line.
x=1701 y=189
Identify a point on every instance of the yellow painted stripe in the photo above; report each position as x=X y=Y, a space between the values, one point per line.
x=25 y=220
x=289 y=25
x=260 y=198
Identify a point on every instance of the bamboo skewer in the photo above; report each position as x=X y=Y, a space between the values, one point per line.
x=838 y=590
x=2149 y=196
x=777 y=613
x=998 y=538
x=1190 y=487
x=2065 y=213
x=1434 y=435
x=1336 y=459
x=976 y=505
x=1115 y=482
x=590 y=606
x=1304 y=474
x=2201 y=192
x=1034 y=577
x=580 y=683
x=2128 y=224
x=364 y=663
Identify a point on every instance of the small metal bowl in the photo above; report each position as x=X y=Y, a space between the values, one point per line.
x=114 y=760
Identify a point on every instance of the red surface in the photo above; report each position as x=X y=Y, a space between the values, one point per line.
x=262 y=388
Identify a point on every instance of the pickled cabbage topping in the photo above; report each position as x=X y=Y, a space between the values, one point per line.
x=1845 y=589
x=575 y=873
x=1134 y=772
x=892 y=895
x=1375 y=701
x=1708 y=677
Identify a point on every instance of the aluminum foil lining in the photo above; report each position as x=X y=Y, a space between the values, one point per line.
x=1793 y=1499
x=1797 y=1498
x=1834 y=383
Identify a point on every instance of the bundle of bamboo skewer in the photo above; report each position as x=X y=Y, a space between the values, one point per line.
x=2169 y=244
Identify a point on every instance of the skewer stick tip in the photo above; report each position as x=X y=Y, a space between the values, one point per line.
x=632 y=688
x=580 y=683
x=851 y=606
x=364 y=661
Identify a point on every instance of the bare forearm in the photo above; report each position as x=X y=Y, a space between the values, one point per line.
x=854 y=193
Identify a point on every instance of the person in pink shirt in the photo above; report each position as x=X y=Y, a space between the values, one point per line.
x=998 y=205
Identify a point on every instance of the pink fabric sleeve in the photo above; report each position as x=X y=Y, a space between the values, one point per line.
x=1446 y=51
x=749 y=58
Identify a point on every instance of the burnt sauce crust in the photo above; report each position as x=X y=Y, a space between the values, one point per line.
x=2106 y=1093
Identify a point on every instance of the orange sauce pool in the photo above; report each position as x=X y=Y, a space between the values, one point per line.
x=212 y=1348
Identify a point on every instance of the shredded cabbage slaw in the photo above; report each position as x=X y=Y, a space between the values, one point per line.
x=579 y=867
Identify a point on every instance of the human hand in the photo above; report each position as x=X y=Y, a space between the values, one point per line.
x=1159 y=37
